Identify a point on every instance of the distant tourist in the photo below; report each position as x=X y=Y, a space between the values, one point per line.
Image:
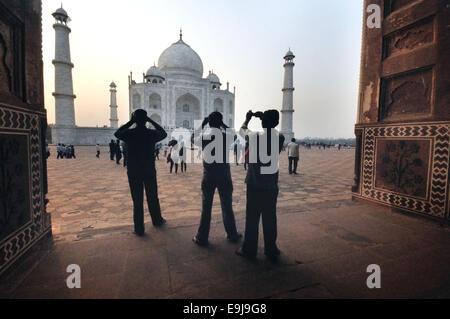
x=59 y=151
x=141 y=167
x=118 y=153
x=216 y=175
x=72 y=151
x=262 y=188
x=67 y=151
x=166 y=147
x=97 y=147
x=174 y=154
x=182 y=153
x=112 y=150
x=293 y=156
x=237 y=150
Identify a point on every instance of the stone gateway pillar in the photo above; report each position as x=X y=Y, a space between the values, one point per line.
x=23 y=123
x=287 y=109
x=403 y=122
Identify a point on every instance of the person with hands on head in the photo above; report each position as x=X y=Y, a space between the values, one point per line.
x=141 y=169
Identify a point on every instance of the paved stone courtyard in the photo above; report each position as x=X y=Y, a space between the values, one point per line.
x=89 y=194
x=327 y=240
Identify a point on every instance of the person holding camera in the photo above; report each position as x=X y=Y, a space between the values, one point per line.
x=216 y=174
x=262 y=185
x=141 y=167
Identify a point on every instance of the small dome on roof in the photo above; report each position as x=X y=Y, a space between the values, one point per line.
x=213 y=78
x=154 y=71
x=289 y=54
x=113 y=85
x=60 y=14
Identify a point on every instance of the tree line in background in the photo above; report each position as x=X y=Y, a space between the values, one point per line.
x=327 y=141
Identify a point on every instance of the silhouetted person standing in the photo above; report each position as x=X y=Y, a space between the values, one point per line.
x=262 y=187
x=174 y=155
x=59 y=151
x=112 y=150
x=97 y=148
x=141 y=167
x=182 y=155
x=216 y=174
x=237 y=150
x=293 y=150
x=118 y=152
x=72 y=151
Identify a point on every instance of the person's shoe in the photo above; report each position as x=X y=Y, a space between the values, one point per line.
x=140 y=234
x=273 y=255
x=234 y=239
x=162 y=222
x=199 y=242
x=295 y=173
x=242 y=253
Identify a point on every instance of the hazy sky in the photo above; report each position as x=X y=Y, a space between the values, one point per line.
x=242 y=41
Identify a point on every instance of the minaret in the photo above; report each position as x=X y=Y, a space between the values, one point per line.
x=114 y=121
x=64 y=104
x=287 y=109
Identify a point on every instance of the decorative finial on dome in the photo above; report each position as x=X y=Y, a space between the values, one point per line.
x=181 y=34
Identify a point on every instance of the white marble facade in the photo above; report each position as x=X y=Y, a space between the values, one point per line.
x=175 y=94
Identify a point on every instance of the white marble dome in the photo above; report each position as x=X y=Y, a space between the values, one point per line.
x=154 y=71
x=289 y=54
x=60 y=14
x=213 y=78
x=180 y=58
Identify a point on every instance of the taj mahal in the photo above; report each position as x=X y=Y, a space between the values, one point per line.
x=174 y=92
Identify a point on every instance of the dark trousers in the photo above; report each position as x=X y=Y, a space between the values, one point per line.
x=171 y=166
x=111 y=155
x=59 y=155
x=294 y=161
x=225 y=187
x=183 y=166
x=261 y=202
x=125 y=159
x=98 y=154
x=118 y=158
x=138 y=182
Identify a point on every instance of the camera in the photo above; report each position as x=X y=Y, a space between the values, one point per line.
x=257 y=114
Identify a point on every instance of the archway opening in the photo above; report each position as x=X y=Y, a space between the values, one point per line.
x=187 y=111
